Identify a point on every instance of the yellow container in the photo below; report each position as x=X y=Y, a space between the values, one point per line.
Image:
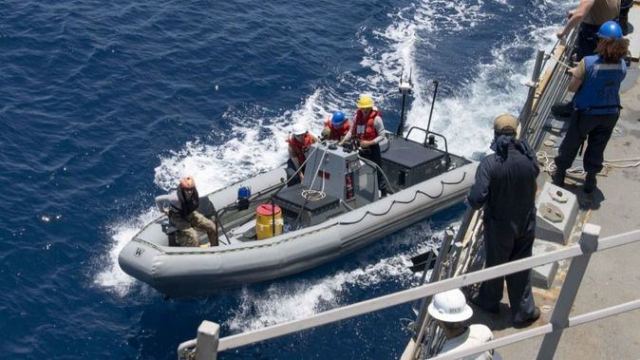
x=265 y=215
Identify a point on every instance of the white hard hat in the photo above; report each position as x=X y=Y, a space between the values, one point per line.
x=450 y=306
x=299 y=129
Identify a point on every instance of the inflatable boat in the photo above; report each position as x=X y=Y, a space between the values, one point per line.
x=270 y=228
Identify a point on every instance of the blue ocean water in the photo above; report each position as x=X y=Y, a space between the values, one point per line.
x=104 y=105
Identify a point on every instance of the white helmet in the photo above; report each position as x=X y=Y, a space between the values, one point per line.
x=299 y=129
x=450 y=306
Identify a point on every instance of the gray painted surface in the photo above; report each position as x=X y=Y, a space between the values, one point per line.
x=543 y=276
x=612 y=277
x=563 y=201
x=180 y=271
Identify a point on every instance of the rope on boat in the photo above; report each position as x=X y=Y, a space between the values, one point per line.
x=311 y=194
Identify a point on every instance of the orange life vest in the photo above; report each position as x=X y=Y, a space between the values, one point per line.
x=300 y=147
x=369 y=132
x=339 y=132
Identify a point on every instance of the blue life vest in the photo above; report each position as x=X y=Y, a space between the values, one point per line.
x=600 y=90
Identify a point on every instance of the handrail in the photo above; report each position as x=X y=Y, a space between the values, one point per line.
x=542 y=330
x=426 y=137
x=588 y=244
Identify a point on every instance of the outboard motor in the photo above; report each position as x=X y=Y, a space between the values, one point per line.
x=171 y=232
x=163 y=202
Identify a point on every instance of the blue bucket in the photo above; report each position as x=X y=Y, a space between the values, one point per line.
x=244 y=193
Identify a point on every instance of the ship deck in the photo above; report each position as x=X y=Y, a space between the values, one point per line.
x=612 y=276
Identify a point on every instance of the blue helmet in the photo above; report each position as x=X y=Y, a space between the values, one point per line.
x=610 y=30
x=337 y=118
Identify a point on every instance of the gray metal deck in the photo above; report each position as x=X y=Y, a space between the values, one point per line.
x=613 y=277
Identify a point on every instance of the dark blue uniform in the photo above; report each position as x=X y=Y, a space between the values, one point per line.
x=597 y=108
x=506 y=187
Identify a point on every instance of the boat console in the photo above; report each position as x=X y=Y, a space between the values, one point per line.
x=407 y=162
x=309 y=212
x=335 y=180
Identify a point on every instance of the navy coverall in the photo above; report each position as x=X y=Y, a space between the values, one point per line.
x=506 y=186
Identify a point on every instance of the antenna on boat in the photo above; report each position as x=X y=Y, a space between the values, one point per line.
x=433 y=102
x=405 y=88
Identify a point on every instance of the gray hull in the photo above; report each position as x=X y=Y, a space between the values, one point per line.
x=179 y=271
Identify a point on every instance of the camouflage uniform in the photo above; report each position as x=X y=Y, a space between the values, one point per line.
x=187 y=234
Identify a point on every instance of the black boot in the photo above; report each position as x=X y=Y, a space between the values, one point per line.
x=519 y=324
x=558 y=177
x=590 y=183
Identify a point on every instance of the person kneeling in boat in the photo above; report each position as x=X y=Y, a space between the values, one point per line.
x=183 y=214
x=451 y=312
x=336 y=127
x=367 y=132
x=299 y=142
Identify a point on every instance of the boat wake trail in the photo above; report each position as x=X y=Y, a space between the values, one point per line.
x=495 y=84
x=257 y=148
x=290 y=300
x=410 y=41
x=110 y=276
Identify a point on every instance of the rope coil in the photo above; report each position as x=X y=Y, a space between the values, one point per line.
x=311 y=194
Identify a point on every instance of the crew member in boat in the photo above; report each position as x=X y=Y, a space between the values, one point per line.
x=596 y=83
x=451 y=312
x=505 y=186
x=367 y=132
x=299 y=142
x=183 y=214
x=590 y=15
x=336 y=127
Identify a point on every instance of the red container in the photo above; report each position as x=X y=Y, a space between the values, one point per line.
x=267 y=210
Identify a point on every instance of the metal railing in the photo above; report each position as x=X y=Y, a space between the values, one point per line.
x=545 y=89
x=208 y=343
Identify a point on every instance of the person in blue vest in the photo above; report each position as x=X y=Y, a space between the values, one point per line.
x=506 y=187
x=589 y=15
x=596 y=83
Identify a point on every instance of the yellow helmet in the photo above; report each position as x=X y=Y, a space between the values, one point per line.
x=365 y=101
x=505 y=124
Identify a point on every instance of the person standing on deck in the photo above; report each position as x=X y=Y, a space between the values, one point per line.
x=506 y=187
x=596 y=83
x=590 y=15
